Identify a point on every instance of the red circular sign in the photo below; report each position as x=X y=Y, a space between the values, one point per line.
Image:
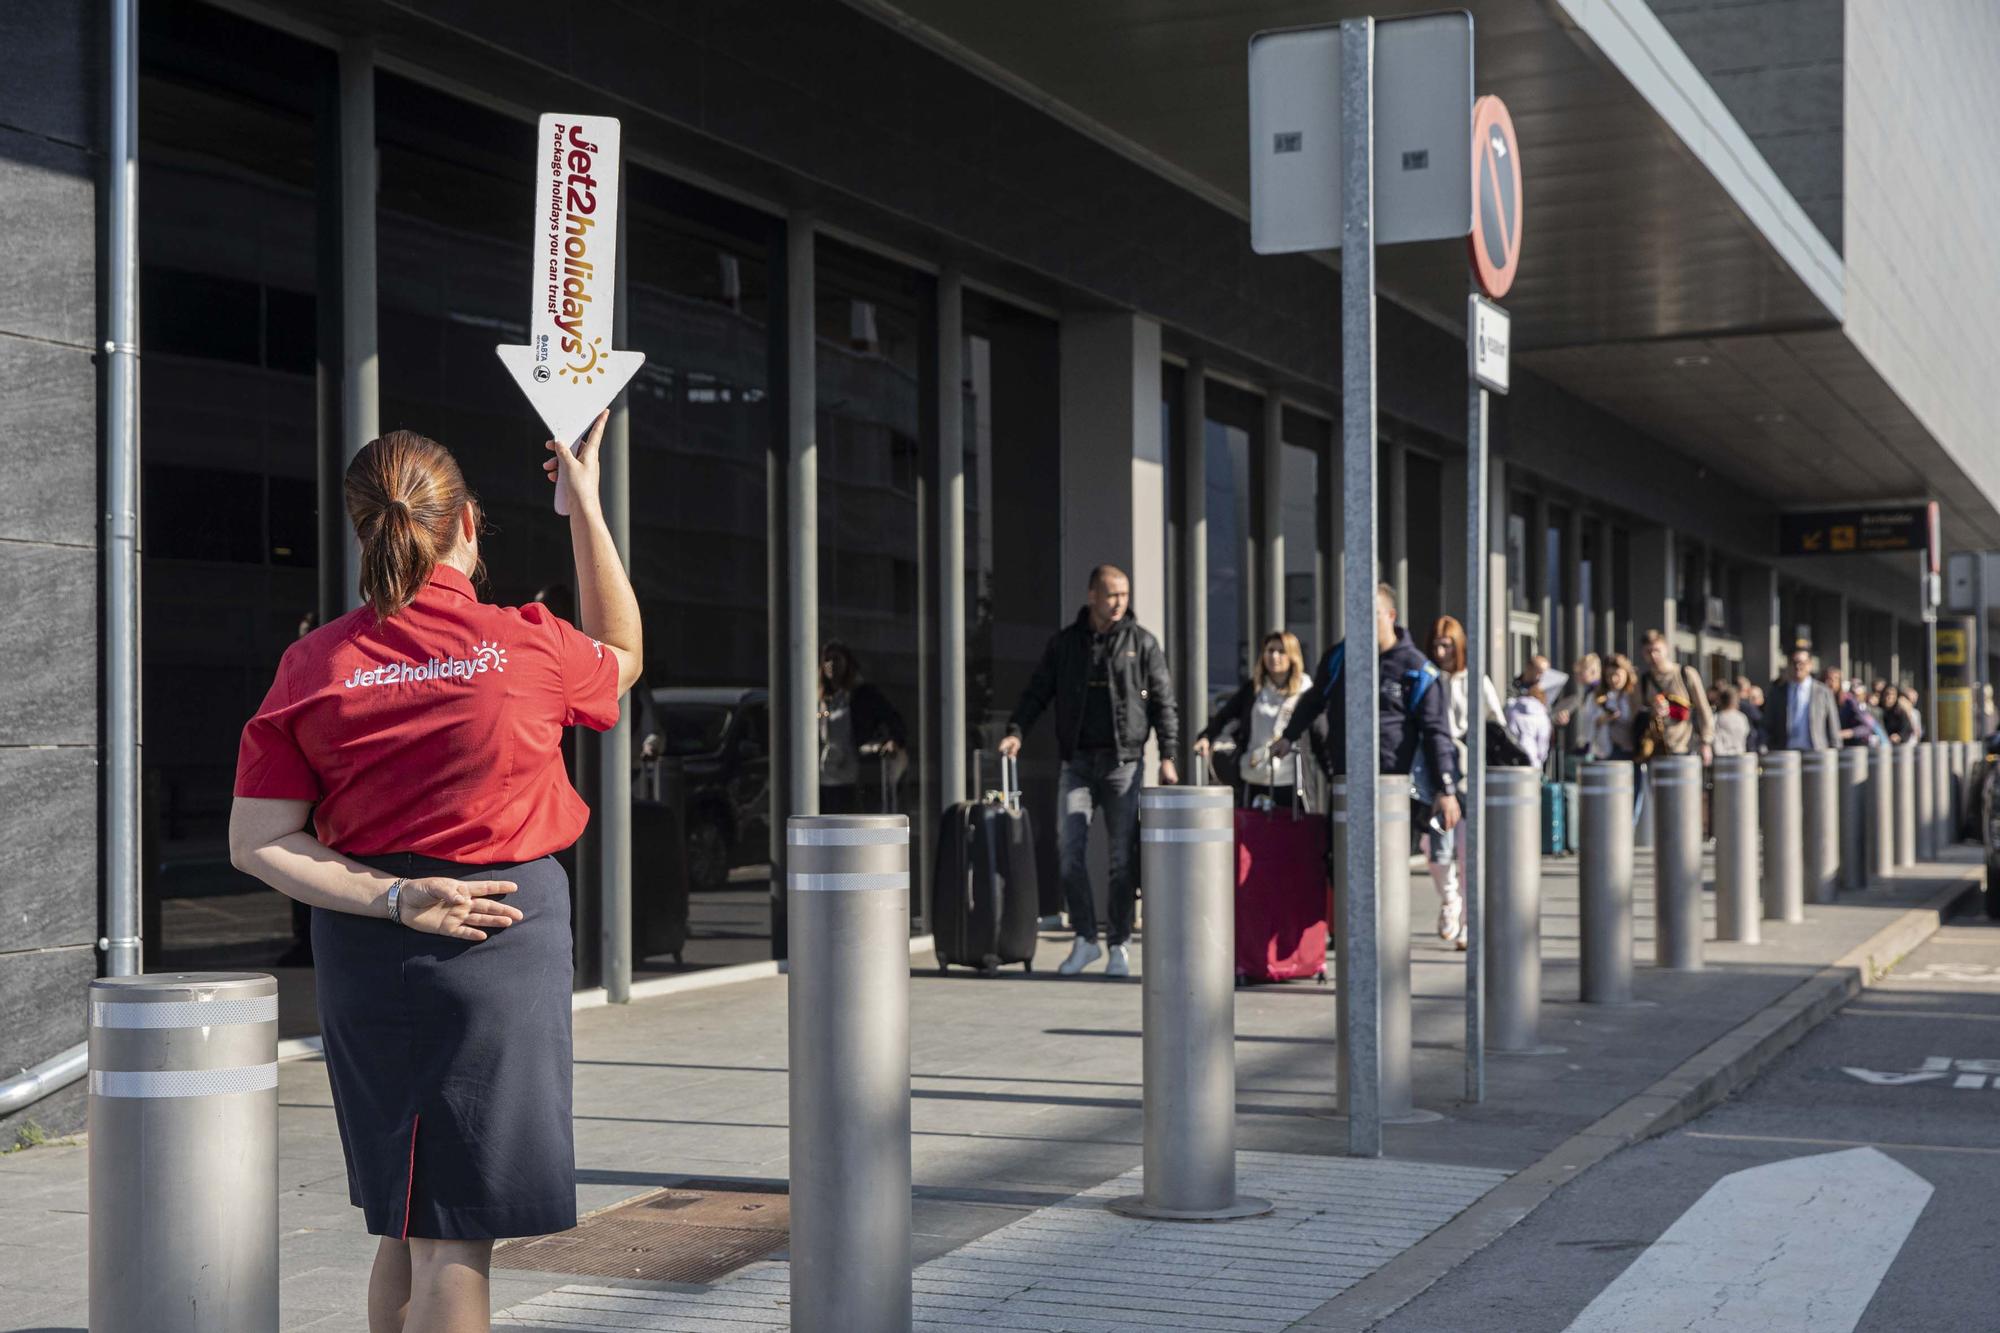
x=1496 y=197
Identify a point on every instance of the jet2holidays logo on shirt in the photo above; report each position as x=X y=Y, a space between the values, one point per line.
x=486 y=657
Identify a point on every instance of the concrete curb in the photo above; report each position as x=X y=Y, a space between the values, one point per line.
x=1700 y=1082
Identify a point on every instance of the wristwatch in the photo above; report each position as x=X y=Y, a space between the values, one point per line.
x=396 y=901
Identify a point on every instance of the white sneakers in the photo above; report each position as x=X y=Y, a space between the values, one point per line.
x=1451 y=910
x=1085 y=952
x=1081 y=955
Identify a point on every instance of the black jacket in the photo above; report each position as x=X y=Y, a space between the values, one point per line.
x=1142 y=690
x=1398 y=668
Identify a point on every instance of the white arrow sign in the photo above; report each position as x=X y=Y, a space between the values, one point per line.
x=568 y=369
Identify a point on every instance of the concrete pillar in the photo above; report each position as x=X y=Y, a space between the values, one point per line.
x=953 y=761
x=1605 y=609
x=360 y=391
x=1764 y=649
x=1452 y=504
x=1396 y=569
x=1498 y=482
x=1652 y=581
x=1272 y=582
x=1113 y=483
x=1575 y=613
x=1194 y=536
x=1829 y=622
x=1542 y=595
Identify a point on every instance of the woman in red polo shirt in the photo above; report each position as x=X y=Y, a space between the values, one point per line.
x=404 y=778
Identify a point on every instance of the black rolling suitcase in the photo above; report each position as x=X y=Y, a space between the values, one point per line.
x=985 y=900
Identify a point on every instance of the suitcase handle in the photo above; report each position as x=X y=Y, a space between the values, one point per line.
x=1299 y=803
x=1010 y=779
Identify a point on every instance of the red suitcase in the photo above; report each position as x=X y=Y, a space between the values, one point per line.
x=1282 y=895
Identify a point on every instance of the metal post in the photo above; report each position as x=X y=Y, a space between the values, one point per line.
x=1903 y=764
x=1389 y=992
x=1781 y=811
x=184 y=1153
x=953 y=763
x=1514 y=926
x=848 y=1000
x=1881 y=813
x=1736 y=887
x=121 y=944
x=1819 y=819
x=1855 y=807
x=1274 y=516
x=1361 y=924
x=1924 y=786
x=801 y=687
x=1674 y=791
x=360 y=393
x=1478 y=641
x=1604 y=876
x=614 y=747
x=1187 y=861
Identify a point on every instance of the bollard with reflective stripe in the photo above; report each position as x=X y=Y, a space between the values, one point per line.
x=1514 y=911
x=1819 y=823
x=1782 y=815
x=1736 y=871
x=1605 y=873
x=1856 y=801
x=1392 y=964
x=1187 y=861
x=847 y=881
x=1903 y=783
x=1675 y=788
x=1924 y=766
x=184 y=1153
x=1881 y=813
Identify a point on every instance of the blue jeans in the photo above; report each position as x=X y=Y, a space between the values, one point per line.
x=1092 y=780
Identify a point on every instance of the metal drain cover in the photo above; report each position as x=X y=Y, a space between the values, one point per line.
x=673 y=1235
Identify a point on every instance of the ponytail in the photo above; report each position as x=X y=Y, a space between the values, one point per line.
x=404 y=495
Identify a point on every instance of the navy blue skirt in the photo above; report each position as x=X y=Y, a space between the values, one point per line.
x=450 y=1062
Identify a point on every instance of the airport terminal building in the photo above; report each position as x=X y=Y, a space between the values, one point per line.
x=943 y=304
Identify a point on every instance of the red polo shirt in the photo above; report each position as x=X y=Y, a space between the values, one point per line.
x=437 y=731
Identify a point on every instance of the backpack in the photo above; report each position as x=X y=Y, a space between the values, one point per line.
x=1416 y=683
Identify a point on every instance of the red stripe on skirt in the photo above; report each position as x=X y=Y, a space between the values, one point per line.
x=410 y=1184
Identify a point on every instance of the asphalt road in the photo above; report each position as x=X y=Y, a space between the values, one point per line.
x=1910 y=1068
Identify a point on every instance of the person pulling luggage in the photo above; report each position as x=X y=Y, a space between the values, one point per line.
x=1412 y=719
x=1108 y=680
x=1259 y=710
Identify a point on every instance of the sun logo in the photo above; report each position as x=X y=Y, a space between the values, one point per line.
x=491 y=653
x=586 y=372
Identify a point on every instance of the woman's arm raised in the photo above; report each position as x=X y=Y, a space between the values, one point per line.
x=609 y=612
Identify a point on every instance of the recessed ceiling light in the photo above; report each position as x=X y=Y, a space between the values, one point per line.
x=1686 y=361
x=1769 y=418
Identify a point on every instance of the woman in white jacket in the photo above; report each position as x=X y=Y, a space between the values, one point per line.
x=1260 y=710
x=1448 y=651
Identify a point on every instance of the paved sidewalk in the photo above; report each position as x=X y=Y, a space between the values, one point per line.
x=1026 y=1094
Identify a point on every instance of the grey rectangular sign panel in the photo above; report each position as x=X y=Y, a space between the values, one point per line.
x=1423 y=133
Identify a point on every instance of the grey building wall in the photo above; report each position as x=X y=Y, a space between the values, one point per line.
x=1777 y=65
x=1923 y=243
x=50 y=136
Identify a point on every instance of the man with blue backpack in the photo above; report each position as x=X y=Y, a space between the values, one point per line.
x=1412 y=713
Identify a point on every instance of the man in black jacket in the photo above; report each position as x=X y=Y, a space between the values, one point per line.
x=1413 y=716
x=1109 y=683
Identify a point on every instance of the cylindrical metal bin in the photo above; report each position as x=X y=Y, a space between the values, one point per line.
x=1514 y=911
x=1737 y=889
x=1781 y=813
x=1605 y=874
x=1674 y=782
x=1881 y=813
x=847 y=879
x=1819 y=819
x=1392 y=930
x=1924 y=771
x=184 y=1153
x=1903 y=781
x=1855 y=806
x=1187 y=861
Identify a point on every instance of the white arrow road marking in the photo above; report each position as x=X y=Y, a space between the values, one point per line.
x=568 y=368
x=1882 y=1079
x=1790 y=1247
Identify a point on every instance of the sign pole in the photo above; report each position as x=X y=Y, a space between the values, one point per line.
x=1471 y=867
x=1361 y=1043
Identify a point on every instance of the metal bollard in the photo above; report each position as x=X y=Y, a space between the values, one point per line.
x=1941 y=838
x=1514 y=911
x=847 y=879
x=1924 y=843
x=1956 y=750
x=1642 y=814
x=1903 y=783
x=1819 y=819
x=1780 y=812
x=1736 y=879
x=1675 y=783
x=1881 y=813
x=1855 y=805
x=1392 y=962
x=1187 y=861
x=184 y=1153
x=1605 y=875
